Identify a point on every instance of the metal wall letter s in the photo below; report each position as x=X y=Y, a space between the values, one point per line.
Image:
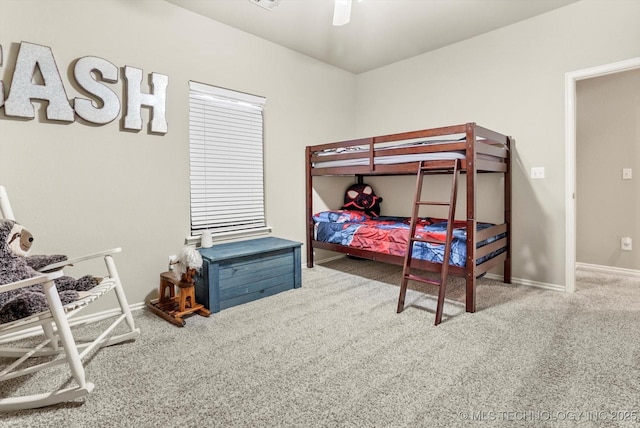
x=83 y=73
x=23 y=88
x=156 y=100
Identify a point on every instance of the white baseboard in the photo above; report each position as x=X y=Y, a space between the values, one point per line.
x=517 y=281
x=329 y=259
x=529 y=283
x=632 y=273
x=80 y=320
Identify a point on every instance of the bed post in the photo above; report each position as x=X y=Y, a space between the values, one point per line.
x=471 y=174
x=309 y=205
x=507 y=209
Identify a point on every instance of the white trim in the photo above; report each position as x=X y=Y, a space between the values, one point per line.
x=330 y=259
x=219 y=92
x=570 y=157
x=75 y=321
x=610 y=270
x=492 y=276
x=528 y=283
x=231 y=236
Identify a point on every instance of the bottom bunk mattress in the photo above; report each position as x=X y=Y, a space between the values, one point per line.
x=390 y=235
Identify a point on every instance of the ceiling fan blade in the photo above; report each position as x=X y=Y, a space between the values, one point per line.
x=342 y=12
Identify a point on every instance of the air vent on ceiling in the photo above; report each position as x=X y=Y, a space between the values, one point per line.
x=267 y=4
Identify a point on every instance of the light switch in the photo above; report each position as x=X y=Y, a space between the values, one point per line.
x=626 y=173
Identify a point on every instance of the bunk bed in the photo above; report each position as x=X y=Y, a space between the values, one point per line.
x=472 y=148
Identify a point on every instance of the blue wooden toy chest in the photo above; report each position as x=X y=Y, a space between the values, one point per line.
x=239 y=272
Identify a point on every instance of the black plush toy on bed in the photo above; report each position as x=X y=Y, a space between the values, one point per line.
x=361 y=197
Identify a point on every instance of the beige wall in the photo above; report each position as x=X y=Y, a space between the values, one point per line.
x=608 y=140
x=83 y=188
x=511 y=80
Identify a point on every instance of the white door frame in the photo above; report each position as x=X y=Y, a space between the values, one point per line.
x=570 y=156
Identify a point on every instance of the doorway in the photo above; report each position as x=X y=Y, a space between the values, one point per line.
x=570 y=157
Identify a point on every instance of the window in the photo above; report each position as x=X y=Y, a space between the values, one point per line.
x=226 y=161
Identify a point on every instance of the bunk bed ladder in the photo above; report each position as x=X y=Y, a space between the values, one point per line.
x=430 y=167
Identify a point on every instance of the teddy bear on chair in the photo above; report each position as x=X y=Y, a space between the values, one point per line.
x=16 y=264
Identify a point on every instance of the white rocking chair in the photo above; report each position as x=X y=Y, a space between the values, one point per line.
x=54 y=326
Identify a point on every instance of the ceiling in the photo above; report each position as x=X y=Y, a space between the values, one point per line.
x=381 y=32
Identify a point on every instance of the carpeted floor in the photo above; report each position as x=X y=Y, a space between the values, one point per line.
x=335 y=354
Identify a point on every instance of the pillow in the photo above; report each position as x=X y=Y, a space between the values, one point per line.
x=340 y=216
x=361 y=197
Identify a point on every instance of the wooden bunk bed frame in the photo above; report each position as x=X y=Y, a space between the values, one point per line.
x=485 y=151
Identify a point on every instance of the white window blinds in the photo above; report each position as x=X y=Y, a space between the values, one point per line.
x=226 y=160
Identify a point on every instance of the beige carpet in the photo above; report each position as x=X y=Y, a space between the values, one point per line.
x=335 y=354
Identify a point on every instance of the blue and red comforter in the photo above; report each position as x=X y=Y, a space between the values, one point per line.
x=390 y=235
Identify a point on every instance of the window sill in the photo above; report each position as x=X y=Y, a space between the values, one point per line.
x=230 y=236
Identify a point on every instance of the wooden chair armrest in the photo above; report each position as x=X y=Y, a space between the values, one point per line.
x=62 y=264
x=40 y=279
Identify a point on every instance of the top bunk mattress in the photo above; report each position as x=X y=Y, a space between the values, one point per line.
x=385 y=154
x=401 y=153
